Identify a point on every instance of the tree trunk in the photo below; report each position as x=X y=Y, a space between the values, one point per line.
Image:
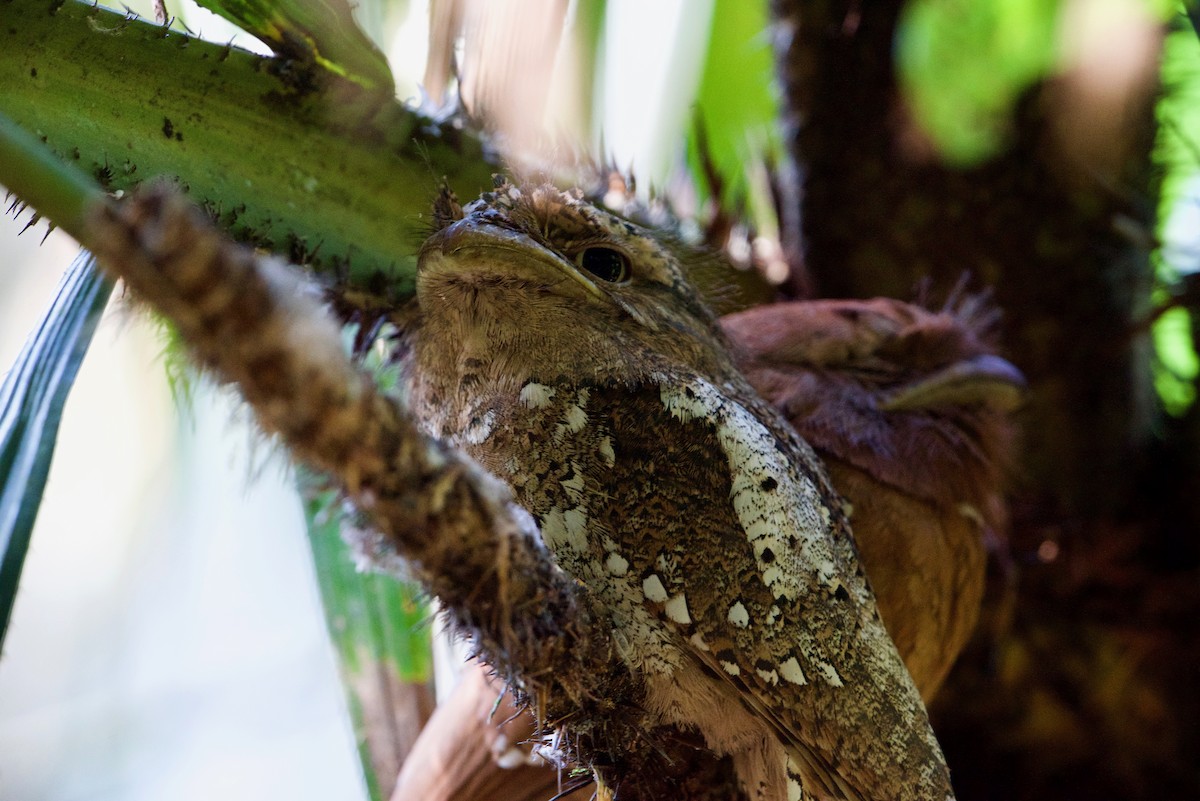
x=1081 y=689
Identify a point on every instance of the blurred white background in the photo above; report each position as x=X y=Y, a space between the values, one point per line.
x=167 y=640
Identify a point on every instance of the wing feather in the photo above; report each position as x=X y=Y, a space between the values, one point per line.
x=794 y=628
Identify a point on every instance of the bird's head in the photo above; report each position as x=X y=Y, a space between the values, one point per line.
x=549 y=286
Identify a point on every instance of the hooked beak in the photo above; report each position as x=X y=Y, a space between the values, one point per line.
x=987 y=379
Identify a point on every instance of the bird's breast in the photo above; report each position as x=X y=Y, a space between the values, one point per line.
x=560 y=449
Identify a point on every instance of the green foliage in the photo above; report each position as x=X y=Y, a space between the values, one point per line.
x=181 y=372
x=31 y=404
x=273 y=158
x=373 y=618
x=1177 y=366
x=964 y=63
x=376 y=623
x=1177 y=146
x=734 y=101
x=588 y=32
x=1177 y=155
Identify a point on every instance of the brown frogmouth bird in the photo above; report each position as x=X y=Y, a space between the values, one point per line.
x=566 y=351
x=907 y=408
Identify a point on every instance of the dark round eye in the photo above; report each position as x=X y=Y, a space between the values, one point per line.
x=606 y=264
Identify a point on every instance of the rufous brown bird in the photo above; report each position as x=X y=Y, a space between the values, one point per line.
x=908 y=409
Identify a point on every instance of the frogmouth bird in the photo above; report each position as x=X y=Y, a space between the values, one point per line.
x=908 y=409
x=565 y=350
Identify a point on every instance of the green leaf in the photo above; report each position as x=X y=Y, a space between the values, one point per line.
x=1177 y=158
x=963 y=65
x=31 y=404
x=734 y=98
x=1177 y=141
x=377 y=624
x=1177 y=365
x=322 y=31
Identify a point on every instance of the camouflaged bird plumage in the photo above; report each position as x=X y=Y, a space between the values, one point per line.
x=908 y=409
x=565 y=350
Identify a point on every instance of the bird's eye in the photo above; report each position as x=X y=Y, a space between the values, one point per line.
x=606 y=264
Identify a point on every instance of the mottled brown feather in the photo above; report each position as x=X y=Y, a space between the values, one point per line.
x=703 y=525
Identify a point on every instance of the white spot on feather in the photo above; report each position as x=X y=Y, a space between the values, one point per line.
x=480 y=430
x=731 y=668
x=738 y=615
x=676 y=609
x=574 y=485
x=699 y=642
x=769 y=676
x=575 y=419
x=653 y=589
x=795 y=791
x=790 y=670
x=535 y=395
x=830 y=674
x=576 y=520
x=616 y=564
